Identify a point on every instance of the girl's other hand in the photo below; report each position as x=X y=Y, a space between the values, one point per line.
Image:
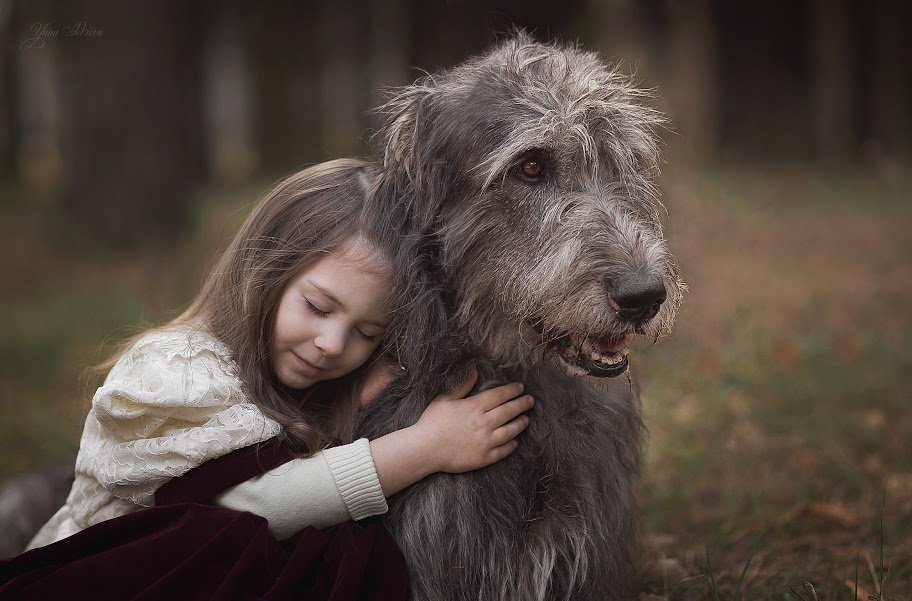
x=378 y=376
x=467 y=433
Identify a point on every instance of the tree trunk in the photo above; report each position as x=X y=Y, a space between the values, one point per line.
x=343 y=87
x=891 y=85
x=693 y=79
x=833 y=87
x=130 y=139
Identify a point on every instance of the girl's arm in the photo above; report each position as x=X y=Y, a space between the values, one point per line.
x=352 y=481
x=328 y=488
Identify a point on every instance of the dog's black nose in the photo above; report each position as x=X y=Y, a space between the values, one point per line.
x=638 y=297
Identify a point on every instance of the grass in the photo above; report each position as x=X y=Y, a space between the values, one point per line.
x=778 y=405
x=780 y=400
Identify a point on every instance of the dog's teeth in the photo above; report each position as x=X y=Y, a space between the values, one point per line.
x=607 y=359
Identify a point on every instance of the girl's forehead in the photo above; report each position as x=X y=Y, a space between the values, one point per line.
x=364 y=255
x=356 y=276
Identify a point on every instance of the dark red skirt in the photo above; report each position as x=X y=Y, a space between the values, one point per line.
x=187 y=548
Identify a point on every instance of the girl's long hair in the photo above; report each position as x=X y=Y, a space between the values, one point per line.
x=304 y=217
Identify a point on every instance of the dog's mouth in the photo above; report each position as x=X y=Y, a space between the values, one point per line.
x=602 y=357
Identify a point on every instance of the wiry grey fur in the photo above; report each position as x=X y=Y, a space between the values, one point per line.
x=492 y=268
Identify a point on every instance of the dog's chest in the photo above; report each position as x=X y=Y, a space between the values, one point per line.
x=572 y=427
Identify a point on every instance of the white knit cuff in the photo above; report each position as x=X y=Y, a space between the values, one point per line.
x=352 y=467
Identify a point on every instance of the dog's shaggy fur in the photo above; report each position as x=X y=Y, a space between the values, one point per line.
x=522 y=275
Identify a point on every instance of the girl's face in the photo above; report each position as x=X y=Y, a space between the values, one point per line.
x=331 y=316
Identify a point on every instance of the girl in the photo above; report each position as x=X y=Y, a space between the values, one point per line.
x=282 y=344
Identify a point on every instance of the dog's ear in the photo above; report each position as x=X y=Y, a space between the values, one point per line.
x=414 y=148
x=400 y=116
x=414 y=185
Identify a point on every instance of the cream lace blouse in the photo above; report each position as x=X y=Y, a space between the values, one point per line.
x=174 y=401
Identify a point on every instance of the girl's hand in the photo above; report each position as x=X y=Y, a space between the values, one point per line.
x=378 y=376
x=454 y=434
x=464 y=434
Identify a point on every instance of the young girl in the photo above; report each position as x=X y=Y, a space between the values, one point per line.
x=282 y=344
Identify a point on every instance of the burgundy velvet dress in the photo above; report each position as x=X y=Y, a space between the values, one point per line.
x=186 y=547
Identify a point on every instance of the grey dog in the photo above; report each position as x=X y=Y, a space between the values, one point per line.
x=522 y=185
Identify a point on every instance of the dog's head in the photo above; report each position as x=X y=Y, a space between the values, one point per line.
x=528 y=172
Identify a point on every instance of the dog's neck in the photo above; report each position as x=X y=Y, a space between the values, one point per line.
x=494 y=336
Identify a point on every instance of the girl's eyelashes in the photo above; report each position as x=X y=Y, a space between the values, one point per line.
x=314 y=309
x=317 y=311
x=321 y=313
x=368 y=338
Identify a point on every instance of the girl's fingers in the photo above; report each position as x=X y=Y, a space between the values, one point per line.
x=504 y=412
x=463 y=389
x=498 y=453
x=495 y=397
x=510 y=430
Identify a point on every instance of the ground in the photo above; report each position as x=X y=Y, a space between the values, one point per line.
x=777 y=408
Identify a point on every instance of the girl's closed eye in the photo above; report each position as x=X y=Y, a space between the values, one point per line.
x=368 y=337
x=314 y=309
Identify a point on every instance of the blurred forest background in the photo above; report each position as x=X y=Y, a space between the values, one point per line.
x=134 y=136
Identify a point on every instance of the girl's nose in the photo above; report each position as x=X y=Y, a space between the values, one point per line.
x=330 y=342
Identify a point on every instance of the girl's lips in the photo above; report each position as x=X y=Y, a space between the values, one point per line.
x=307 y=366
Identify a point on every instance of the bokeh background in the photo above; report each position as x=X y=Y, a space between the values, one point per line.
x=134 y=137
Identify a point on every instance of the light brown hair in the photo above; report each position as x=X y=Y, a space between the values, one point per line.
x=303 y=218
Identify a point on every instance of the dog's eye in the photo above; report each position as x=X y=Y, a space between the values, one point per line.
x=532 y=169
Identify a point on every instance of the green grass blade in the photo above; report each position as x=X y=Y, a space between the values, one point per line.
x=754 y=548
x=883 y=508
x=857 y=558
x=712 y=577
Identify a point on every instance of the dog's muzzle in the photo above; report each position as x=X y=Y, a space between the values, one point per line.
x=604 y=357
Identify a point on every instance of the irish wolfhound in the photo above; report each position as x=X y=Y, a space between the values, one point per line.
x=522 y=184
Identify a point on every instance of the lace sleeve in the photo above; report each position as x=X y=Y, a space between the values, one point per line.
x=172 y=402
